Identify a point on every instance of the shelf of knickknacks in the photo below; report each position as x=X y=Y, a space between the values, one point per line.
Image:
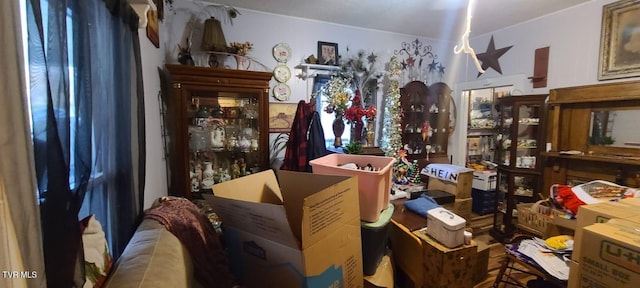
x=204 y=174
x=223 y=144
x=221 y=60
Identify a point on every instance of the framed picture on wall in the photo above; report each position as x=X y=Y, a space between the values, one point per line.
x=620 y=40
x=152 y=27
x=327 y=53
x=281 y=116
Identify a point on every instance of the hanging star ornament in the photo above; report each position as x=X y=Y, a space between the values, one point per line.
x=433 y=66
x=372 y=58
x=489 y=58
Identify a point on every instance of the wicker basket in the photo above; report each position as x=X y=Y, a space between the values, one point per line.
x=537 y=216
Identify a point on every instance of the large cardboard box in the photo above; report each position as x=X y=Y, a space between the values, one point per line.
x=447 y=267
x=574 y=278
x=454 y=179
x=612 y=259
x=600 y=213
x=299 y=230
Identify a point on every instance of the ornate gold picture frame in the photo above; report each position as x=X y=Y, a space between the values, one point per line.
x=620 y=40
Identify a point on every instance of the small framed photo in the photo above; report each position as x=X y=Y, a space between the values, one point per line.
x=327 y=53
x=620 y=26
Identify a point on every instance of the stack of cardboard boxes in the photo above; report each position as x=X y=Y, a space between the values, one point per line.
x=607 y=245
x=461 y=188
x=299 y=230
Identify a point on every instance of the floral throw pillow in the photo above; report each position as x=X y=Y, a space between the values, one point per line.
x=97 y=260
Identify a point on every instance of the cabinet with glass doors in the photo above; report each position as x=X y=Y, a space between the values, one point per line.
x=217 y=124
x=520 y=138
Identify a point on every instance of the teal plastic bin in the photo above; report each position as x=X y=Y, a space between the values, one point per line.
x=375 y=236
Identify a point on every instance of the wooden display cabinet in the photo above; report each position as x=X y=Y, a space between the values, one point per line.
x=521 y=136
x=425 y=121
x=217 y=126
x=594 y=134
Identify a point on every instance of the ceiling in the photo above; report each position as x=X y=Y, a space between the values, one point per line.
x=436 y=19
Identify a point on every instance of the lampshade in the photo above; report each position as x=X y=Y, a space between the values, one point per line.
x=213 y=38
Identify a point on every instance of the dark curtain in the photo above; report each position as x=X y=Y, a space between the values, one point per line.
x=86 y=104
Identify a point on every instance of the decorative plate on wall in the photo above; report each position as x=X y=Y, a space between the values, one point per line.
x=281 y=91
x=282 y=52
x=282 y=73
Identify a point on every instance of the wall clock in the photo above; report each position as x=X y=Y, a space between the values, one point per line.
x=282 y=73
x=282 y=91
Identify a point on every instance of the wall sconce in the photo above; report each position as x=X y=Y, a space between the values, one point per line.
x=465 y=46
x=213 y=37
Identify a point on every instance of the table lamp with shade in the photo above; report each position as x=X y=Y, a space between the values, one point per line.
x=213 y=38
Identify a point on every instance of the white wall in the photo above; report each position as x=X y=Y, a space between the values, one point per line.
x=156 y=184
x=573 y=36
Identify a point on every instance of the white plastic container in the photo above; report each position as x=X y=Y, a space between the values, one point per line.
x=446 y=227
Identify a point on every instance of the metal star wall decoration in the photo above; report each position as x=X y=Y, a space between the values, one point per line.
x=489 y=58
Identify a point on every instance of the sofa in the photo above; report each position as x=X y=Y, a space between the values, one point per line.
x=174 y=246
x=154 y=257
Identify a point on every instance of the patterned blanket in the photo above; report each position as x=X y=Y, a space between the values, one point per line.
x=184 y=220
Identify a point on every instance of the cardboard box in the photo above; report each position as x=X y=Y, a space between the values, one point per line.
x=299 y=230
x=599 y=213
x=612 y=259
x=458 y=184
x=485 y=180
x=461 y=207
x=574 y=275
x=447 y=267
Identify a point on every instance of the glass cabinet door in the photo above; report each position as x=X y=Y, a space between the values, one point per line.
x=217 y=126
x=519 y=131
x=223 y=136
x=503 y=151
x=502 y=188
x=527 y=136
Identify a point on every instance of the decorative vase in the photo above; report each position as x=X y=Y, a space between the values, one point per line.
x=218 y=138
x=245 y=144
x=254 y=145
x=185 y=58
x=338 y=129
x=370 y=133
x=207 y=175
x=356 y=131
x=241 y=62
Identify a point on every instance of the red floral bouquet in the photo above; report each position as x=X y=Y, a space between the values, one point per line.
x=355 y=112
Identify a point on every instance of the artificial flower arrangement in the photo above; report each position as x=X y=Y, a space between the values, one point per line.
x=356 y=112
x=337 y=94
x=240 y=48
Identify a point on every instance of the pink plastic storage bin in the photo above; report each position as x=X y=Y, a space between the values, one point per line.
x=373 y=186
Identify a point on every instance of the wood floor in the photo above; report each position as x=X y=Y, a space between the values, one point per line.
x=496 y=252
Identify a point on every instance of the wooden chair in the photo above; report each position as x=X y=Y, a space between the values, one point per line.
x=514 y=264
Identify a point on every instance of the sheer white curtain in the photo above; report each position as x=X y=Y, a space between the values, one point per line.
x=9 y=248
x=16 y=160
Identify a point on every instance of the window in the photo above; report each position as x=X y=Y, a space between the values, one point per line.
x=64 y=113
x=326 y=118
